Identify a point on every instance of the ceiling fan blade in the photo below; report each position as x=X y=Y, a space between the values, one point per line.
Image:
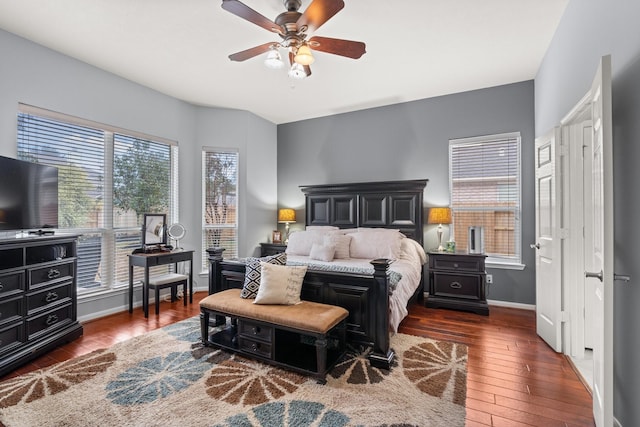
x=245 y=12
x=319 y=12
x=250 y=53
x=347 y=48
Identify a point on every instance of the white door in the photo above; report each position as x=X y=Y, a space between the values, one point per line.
x=602 y=244
x=548 y=195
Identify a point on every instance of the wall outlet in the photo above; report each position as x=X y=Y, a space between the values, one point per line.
x=489 y=278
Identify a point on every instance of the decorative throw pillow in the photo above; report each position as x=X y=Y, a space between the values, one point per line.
x=341 y=243
x=322 y=252
x=252 y=273
x=280 y=284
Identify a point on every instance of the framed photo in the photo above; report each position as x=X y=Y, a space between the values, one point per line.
x=154 y=229
x=276 y=236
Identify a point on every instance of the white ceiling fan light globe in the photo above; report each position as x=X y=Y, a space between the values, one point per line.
x=273 y=60
x=297 y=71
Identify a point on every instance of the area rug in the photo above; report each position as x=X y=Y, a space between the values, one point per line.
x=168 y=378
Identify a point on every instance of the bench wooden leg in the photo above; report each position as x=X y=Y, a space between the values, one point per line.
x=204 y=327
x=321 y=358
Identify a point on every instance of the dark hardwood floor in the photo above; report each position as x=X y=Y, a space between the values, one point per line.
x=514 y=378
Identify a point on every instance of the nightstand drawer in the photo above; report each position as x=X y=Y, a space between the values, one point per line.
x=457 y=264
x=255 y=330
x=458 y=285
x=258 y=348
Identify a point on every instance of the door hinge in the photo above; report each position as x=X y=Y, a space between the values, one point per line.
x=564 y=316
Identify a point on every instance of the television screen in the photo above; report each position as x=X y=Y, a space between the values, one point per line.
x=28 y=195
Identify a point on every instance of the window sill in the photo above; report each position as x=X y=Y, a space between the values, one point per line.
x=505 y=265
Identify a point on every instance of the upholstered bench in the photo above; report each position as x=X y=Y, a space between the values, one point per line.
x=308 y=337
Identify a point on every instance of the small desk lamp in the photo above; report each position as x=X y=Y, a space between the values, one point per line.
x=439 y=216
x=287 y=216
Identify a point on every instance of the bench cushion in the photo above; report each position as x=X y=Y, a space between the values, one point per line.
x=167 y=278
x=305 y=316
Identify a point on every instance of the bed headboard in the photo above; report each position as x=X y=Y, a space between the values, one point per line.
x=387 y=204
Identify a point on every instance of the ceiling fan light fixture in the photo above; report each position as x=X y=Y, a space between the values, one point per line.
x=304 y=56
x=297 y=71
x=273 y=59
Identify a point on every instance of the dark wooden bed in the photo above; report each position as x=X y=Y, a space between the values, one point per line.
x=388 y=204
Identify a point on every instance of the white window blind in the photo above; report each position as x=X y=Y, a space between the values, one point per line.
x=108 y=178
x=219 y=202
x=484 y=181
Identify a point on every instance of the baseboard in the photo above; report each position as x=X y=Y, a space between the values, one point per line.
x=510 y=304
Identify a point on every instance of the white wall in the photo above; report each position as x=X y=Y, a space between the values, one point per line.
x=32 y=74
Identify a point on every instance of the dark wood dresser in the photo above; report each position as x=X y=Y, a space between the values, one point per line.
x=37 y=297
x=457 y=281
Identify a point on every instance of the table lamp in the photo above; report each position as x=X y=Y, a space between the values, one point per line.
x=439 y=216
x=286 y=216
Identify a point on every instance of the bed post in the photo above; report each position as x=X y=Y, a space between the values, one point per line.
x=382 y=355
x=215 y=276
x=215 y=279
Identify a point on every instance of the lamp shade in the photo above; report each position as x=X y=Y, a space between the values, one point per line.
x=439 y=216
x=286 y=215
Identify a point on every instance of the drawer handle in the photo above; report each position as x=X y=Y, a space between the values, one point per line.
x=455 y=285
x=455 y=265
x=255 y=346
x=256 y=330
x=51 y=296
x=1 y=286
x=53 y=273
x=51 y=319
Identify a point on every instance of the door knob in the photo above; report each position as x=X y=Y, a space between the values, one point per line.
x=535 y=246
x=594 y=275
x=621 y=277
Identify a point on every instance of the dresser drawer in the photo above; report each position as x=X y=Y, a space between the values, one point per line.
x=11 y=309
x=458 y=285
x=49 y=297
x=11 y=284
x=42 y=276
x=48 y=321
x=456 y=263
x=253 y=330
x=258 y=348
x=11 y=336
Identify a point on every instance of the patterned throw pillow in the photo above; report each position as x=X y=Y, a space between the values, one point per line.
x=252 y=273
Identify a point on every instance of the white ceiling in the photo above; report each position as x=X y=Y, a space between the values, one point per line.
x=415 y=49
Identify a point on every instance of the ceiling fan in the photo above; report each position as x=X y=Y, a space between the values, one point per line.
x=293 y=26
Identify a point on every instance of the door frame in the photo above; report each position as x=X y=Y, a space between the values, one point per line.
x=574 y=226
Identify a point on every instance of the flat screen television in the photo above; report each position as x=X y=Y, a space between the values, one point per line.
x=28 y=195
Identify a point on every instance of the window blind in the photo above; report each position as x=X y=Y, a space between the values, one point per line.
x=484 y=175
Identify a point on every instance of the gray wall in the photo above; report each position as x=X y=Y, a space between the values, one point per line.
x=411 y=141
x=32 y=74
x=590 y=29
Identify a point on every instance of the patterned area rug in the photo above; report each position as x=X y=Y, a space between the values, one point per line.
x=168 y=378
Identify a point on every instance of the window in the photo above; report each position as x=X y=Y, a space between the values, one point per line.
x=108 y=178
x=484 y=180
x=219 y=202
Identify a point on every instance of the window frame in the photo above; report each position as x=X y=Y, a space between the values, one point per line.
x=110 y=259
x=205 y=227
x=505 y=262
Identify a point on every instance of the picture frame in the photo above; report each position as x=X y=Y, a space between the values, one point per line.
x=154 y=229
x=276 y=236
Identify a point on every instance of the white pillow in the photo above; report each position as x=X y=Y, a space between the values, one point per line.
x=280 y=284
x=341 y=243
x=300 y=242
x=372 y=245
x=321 y=227
x=322 y=252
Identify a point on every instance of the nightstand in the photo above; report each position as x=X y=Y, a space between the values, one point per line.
x=267 y=249
x=458 y=281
